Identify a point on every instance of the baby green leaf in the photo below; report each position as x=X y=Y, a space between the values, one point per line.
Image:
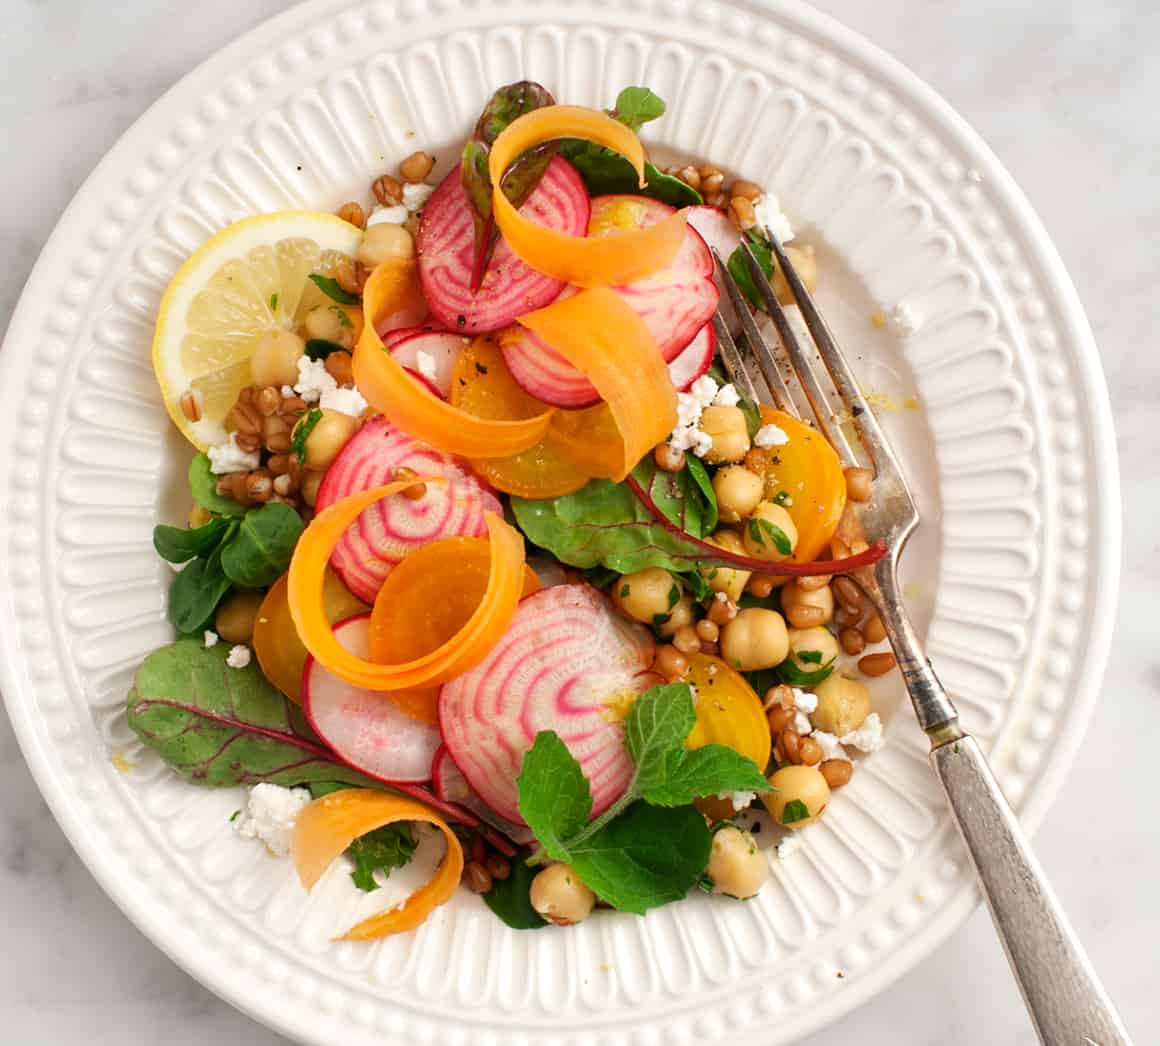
x=203 y=486
x=259 y=553
x=329 y=286
x=510 y=898
x=763 y=252
x=636 y=106
x=702 y=485
x=646 y=857
x=223 y=726
x=196 y=592
x=391 y=846
x=554 y=797
x=180 y=545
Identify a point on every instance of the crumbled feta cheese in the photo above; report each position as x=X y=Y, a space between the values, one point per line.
x=414 y=196
x=769 y=215
x=804 y=701
x=906 y=317
x=868 y=737
x=229 y=457
x=269 y=815
x=426 y=364
x=770 y=436
x=238 y=657
x=692 y=438
x=740 y=800
x=345 y=401
x=727 y=396
x=690 y=406
x=831 y=747
x=801 y=723
x=313 y=380
x=395 y=215
x=210 y=638
x=789 y=846
x=703 y=390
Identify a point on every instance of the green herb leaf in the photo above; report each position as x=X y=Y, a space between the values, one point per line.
x=259 y=553
x=763 y=252
x=624 y=591
x=703 y=485
x=811 y=657
x=710 y=770
x=223 y=726
x=320 y=348
x=203 y=486
x=795 y=810
x=761 y=531
x=792 y=674
x=196 y=593
x=674 y=596
x=752 y=414
x=636 y=106
x=341 y=316
x=510 y=898
x=274 y=302
x=646 y=857
x=320 y=788
x=302 y=432
x=329 y=286
x=554 y=797
x=382 y=850
x=605 y=172
x=781 y=497
x=180 y=545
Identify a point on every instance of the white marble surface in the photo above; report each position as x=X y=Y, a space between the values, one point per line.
x=1065 y=94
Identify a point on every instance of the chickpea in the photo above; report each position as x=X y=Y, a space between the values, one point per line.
x=810 y=641
x=329 y=435
x=793 y=595
x=843 y=704
x=801 y=786
x=647 y=595
x=234 y=620
x=736 y=866
x=730 y=434
x=275 y=358
x=323 y=322
x=761 y=533
x=681 y=616
x=738 y=492
x=309 y=487
x=560 y=897
x=729 y=580
x=383 y=242
x=805 y=265
x=756 y=638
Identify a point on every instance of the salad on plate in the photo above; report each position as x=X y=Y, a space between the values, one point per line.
x=487 y=558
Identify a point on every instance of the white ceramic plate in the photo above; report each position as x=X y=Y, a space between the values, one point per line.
x=1010 y=447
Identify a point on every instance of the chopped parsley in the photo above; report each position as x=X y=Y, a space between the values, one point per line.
x=795 y=810
x=761 y=529
x=302 y=432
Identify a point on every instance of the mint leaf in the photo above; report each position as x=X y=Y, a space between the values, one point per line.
x=382 y=850
x=554 y=797
x=302 y=432
x=636 y=106
x=646 y=857
x=762 y=532
x=510 y=898
x=709 y=770
x=329 y=286
x=654 y=733
x=795 y=810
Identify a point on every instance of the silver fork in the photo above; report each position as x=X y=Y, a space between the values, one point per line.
x=1064 y=997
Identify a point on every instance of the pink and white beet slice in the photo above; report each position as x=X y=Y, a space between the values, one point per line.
x=430 y=354
x=674 y=303
x=569 y=663
x=451 y=786
x=365 y=728
x=393 y=527
x=446 y=247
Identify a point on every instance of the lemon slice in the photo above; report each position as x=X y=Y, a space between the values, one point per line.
x=251 y=277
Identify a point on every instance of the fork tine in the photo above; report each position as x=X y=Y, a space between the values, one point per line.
x=760 y=351
x=731 y=357
x=827 y=420
x=873 y=439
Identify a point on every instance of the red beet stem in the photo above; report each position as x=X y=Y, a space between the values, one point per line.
x=715 y=556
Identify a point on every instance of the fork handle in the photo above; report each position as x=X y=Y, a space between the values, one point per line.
x=1065 y=999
